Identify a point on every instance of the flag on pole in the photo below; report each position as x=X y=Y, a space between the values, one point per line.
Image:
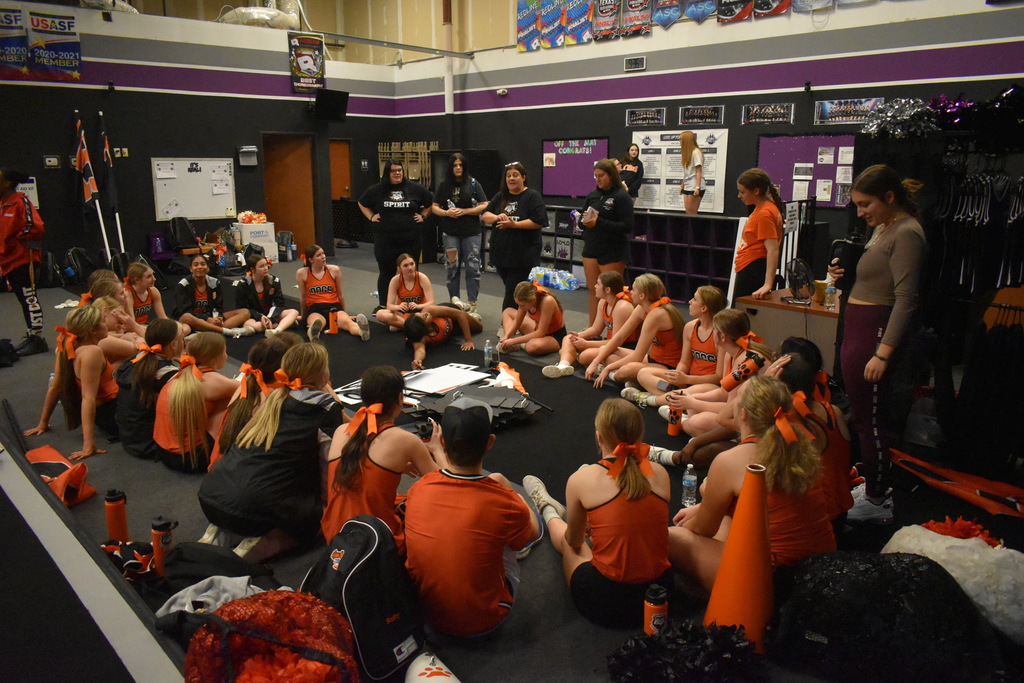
x=83 y=165
x=108 y=164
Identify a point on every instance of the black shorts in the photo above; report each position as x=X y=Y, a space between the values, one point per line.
x=559 y=334
x=322 y=309
x=611 y=603
x=658 y=363
x=689 y=192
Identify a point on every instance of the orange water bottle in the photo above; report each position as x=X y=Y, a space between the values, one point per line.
x=117 y=518
x=655 y=609
x=162 y=541
x=675 y=422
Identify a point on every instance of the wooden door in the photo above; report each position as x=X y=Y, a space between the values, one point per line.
x=288 y=185
x=341 y=169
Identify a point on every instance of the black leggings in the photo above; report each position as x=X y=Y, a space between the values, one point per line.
x=25 y=290
x=511 y=277
x=749 y=280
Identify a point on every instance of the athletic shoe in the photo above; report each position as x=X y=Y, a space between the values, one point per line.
x=637 y=396
x=540 y=496
x=866 y=512
x=525 y=550
x=460 y=303
x=272 y=331
x=314 y=331
x=475 y=316
x=33 y=344
x=555 y=371
x=220 y=537
x=472 y=307
x=364 y=327
x=246 y=545
x=664 y=411
x=190 y=337
x=662 y=456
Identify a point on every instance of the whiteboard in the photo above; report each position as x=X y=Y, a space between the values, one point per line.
x=194 y=188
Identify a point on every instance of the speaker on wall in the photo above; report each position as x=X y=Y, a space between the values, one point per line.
x=331 y=104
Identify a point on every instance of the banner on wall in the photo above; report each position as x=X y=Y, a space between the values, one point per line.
x=578 y=15
x=771 y=8
x=810 y=5
x=527 y=25
x=552 y=23
x=663 y=169
x=13 y=45
x=54 y=48
x=606 y=19
x=636 y=18
x=666 y=13
x=306 y=57
x=699 y=10
x=730 y=11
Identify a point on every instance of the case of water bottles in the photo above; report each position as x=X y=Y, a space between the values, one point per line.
x=555 y=279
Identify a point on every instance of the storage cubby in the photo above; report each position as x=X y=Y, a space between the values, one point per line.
x=700 y=261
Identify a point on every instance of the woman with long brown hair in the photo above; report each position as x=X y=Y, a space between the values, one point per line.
x=607 y=222
x=757 y=258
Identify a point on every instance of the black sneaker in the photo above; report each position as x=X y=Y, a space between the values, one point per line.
x=33 y=344
x=314 y=331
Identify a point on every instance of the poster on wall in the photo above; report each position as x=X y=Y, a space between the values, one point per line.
x=636 y=18
x=569 y=165
x=306 y=58
x=707 y=115
x=666 y=12
x=54 y=48
x=651 y=116
x=606 y=19
x=578 y=29
x=13 y=45
x=777 y=112
x=836 y=112
x=770 y=8
x=663 y=169
x=730 y=11
x=552 y=26
x=527 y=21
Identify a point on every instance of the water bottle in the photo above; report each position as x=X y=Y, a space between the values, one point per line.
x=689 y=487
x=488 y=353
x=655 y=609
x=117 y=521
x=162 y=541
x=830 y=296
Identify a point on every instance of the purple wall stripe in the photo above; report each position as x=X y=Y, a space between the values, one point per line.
x=944 y=64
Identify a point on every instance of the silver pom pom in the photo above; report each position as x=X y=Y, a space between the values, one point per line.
x=901 y=118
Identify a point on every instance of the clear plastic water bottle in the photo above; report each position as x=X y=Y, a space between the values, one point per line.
x=689 y=487
x=830 y=296
x=488 y=353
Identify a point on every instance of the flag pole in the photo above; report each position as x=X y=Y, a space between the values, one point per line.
x=103 y=229
x=84 y=167
x=109 y=160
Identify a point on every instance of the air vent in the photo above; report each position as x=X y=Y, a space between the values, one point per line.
x=634 y=64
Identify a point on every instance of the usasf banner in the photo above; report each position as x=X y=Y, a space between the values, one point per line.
x=54 y=50
x=306 y=58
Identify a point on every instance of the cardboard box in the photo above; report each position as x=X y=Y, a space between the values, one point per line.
x=259 y=233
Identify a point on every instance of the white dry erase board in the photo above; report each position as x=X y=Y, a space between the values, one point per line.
x=194 y=188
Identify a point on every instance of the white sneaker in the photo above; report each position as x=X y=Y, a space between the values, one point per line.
x=540 y=496
x=866 y=512
x=475 y=316
x=364 y=327
x=662 y=456
x=220 y=537
x=472 y=307
x=555 y=371
x=190 y=337
x=460 y=303
x=637 y=396
x=525 y=550
x=246 y=545
x=664 y=411
x=245 y=331
x=272 y=331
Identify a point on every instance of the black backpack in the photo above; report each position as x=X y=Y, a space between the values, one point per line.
x=361 y=575
x=48 y=272
x=78 y=266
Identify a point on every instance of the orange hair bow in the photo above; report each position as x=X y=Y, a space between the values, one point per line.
x=250 y=371
x=86 y=299
x=800 y=404
x=744 y=341
x=66 y=339
x=369 y=414
x=146 y=348
x=282 y=377
x=822 y=393
x=625 y=294
x=785 y=427
x=663 y=301
x=185 y=361
x=637 y=451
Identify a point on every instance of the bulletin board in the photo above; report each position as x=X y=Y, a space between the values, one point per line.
x=569 y=166
x=194 y=188
x=804 y=166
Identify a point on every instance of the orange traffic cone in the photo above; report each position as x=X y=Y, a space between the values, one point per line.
x=743 y=593
x=514 y=375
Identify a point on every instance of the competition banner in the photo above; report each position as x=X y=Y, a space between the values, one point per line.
x=306 y=58
x=699 y=10
x=636 y=18
x=552 y=23
x=663 y=169
x=730 y=11
x=578 y=14
x=810 y=5
x=54 y=48
x=527 y=25
x=13 y=45
x=770 y=8
x=666 y=13
x=606 y=19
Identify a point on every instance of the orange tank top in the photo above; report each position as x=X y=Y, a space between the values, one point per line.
x=321 y=290
x=667 y=346
x=609 y=324
x=165 y=432
x=835 y=460
x=201 y=302
x=705 y=353
x=142 y=308
x=630 y=537
x=416 y=295
x=445 y=327
x=557 y=321
x=107 y=389
x=798 y=526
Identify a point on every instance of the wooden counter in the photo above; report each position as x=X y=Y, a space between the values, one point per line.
x=775 y=320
